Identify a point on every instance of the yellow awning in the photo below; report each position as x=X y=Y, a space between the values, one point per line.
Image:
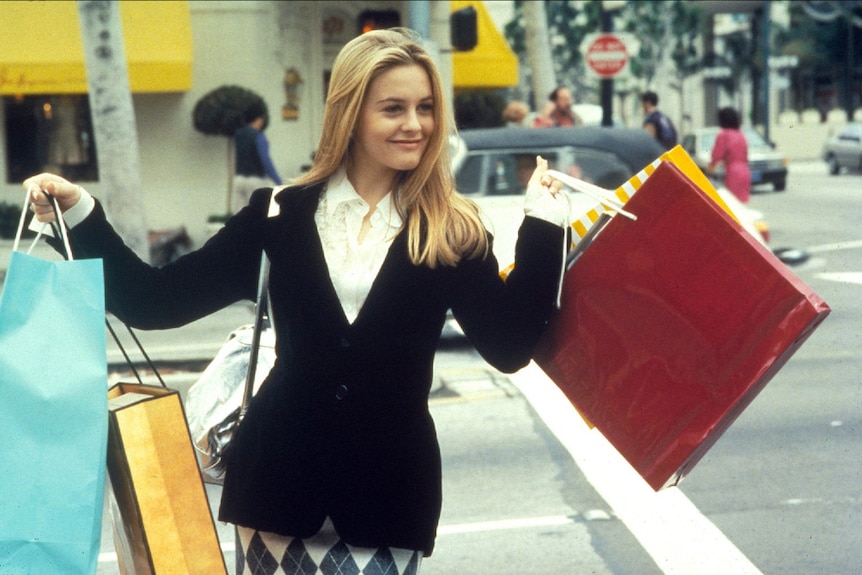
x=492 y=63
x=41 y=51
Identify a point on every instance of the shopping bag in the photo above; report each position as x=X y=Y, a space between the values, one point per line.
x=162 y=521
x=671 y=324
x=216 y=397
x=677 y=156
x=53 y=415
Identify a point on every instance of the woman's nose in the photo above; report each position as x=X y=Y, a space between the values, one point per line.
x=411 y=122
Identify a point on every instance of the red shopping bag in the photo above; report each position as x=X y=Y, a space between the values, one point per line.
x=670 y=325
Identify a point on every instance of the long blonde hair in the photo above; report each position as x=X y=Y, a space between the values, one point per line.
x=442 y=225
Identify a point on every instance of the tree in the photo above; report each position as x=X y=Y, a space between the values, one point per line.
x=558 y=38
x=826 y=38
x=669 y=34
x=113 y=116
x=544 y=78
x=221 y=112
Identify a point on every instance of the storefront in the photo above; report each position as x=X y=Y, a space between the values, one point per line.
x=177 y=52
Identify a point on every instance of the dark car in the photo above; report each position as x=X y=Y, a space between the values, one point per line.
x=489 y=160
x=844 y=150
x=492 y=167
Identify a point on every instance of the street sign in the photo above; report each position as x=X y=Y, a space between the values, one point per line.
x=606 y=55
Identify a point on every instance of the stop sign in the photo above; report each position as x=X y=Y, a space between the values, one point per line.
x=607 y=55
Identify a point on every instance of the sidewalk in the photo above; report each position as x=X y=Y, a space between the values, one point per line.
x=179 y=354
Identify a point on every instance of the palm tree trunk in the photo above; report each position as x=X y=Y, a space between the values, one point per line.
x=114 y=120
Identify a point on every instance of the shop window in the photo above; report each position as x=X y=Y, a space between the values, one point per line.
x=50 y=134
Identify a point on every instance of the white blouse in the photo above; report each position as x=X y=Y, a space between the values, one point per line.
x=353 y=265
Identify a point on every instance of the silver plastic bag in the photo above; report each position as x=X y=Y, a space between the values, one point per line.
x=214 y=400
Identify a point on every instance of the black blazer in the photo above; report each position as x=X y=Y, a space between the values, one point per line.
x=341 y=426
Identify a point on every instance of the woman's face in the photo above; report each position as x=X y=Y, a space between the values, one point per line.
x=396 y=121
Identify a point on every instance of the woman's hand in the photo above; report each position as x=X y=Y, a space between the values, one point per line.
x=66 y=193
x=540 y=183
x=543 y=199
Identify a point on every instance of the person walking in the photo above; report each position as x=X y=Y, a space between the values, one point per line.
x=731 y=150
x=337 y=459
x=254 y=167
x=657 y=123
x=558 y=110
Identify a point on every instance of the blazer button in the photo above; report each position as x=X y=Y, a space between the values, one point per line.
x=345 y=342
x=341 y=392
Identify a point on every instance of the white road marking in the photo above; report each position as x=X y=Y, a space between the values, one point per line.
x=842 y=277
x=524 y=523
x=669 y=527
x=848 y=245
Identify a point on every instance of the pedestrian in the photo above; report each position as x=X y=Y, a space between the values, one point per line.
x=657 y=123
x=515 y=113
x=731 y=150
x=254 y=167
x=558 y=110
x=337 y=456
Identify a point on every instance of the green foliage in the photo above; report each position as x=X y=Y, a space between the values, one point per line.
x=221 y=112
x=479 y=109
x=821 y=46
x=665 y=30
x=739 y=54
x=569 y=22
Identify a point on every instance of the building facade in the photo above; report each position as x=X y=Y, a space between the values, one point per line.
x=177 y=52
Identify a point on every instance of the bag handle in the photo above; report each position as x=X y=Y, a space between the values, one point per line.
x=140 y=347
x=59 y=227
x=61 y=230
x=598 y=193
x=260 y=306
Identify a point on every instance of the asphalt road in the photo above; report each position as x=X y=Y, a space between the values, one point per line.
x=784 y=482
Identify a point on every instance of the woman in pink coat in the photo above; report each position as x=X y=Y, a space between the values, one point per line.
x=731 y=149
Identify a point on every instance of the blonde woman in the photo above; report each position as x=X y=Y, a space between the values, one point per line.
x=337 y=460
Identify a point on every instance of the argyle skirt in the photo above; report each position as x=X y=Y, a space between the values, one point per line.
x=263 y=553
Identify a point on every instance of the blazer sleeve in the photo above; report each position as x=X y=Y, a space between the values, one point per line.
x=505 y=319
x=221 y=272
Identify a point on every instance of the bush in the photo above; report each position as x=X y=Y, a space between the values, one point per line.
x=222 y=111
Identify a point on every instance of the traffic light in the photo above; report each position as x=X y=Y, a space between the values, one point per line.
x=463 y=34
x=378 y=20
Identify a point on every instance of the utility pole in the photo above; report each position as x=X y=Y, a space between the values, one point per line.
x=607 y=84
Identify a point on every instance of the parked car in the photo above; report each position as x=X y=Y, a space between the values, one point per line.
x=844 y=150
x=492 y=167
x=767 y=165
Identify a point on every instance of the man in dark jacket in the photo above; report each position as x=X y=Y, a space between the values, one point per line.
x=254 y=167
x=657 y=124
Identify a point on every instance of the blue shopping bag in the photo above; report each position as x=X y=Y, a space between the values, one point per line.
x=53 y=416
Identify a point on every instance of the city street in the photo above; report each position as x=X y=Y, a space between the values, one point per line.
x=528 y=489
x=784 y=482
